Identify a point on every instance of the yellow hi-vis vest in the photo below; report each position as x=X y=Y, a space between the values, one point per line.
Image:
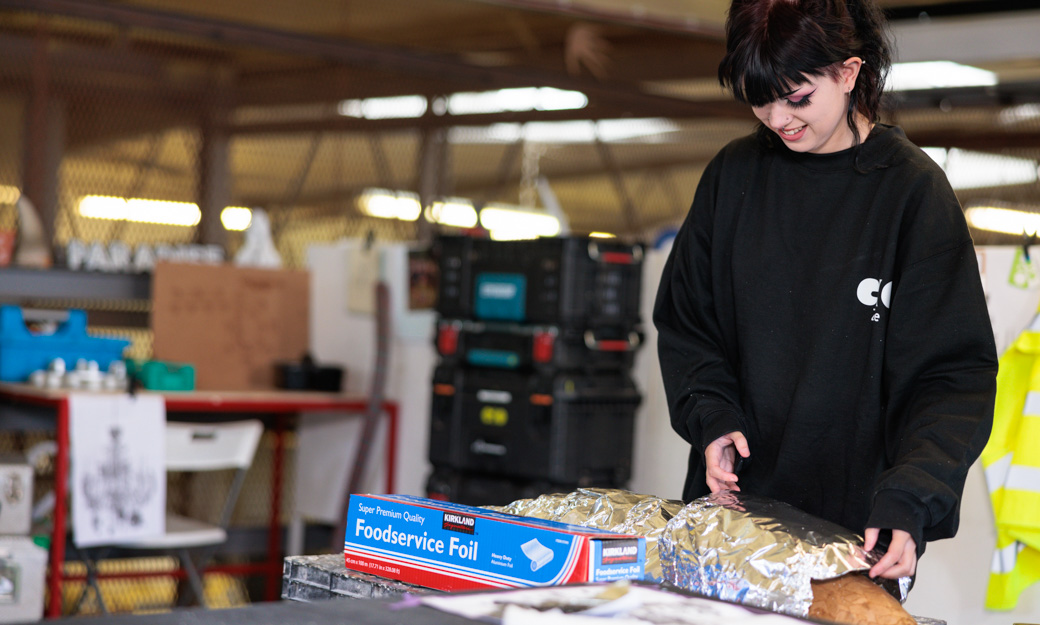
x=1012 y=463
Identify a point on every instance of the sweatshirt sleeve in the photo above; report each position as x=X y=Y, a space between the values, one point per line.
x=940 y=374
x=699 y=381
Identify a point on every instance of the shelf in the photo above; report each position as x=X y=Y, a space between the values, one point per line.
x=18 y=283
x=110 y=299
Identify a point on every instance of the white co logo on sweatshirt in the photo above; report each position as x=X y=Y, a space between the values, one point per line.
x=871 y=291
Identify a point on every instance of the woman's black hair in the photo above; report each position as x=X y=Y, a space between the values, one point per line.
x=771 y=45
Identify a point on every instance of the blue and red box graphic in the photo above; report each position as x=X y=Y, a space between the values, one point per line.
x=449 y=546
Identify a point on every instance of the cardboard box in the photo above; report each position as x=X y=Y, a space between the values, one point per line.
x=232 y=323
x=16 y=495
x=448 y=546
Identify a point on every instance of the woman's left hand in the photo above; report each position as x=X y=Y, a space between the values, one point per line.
x=901 y=558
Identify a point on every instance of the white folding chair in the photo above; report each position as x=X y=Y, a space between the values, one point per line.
x=193 y=448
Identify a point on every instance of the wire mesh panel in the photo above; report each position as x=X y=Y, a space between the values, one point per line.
x=299 y=112
x=136 y=113
x=144 y=585
x=127 y=135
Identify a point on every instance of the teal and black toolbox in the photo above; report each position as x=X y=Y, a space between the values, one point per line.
x=568 y=428
x=463 y=342
x=573 y=281
x=479 y=489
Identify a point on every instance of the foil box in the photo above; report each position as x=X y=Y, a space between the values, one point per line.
x=448 y=546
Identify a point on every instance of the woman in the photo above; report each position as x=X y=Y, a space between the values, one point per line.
x=823 y=332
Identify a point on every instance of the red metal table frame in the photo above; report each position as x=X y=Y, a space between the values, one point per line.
x=277 y=403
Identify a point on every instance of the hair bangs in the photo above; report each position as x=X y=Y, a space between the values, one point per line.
x=765 y=80
x=770 y=49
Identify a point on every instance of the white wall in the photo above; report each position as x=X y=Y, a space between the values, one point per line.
x=343 y=336
x=659 y=453
x=952 y=576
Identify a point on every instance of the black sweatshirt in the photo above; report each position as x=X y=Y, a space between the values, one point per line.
x=830 y=308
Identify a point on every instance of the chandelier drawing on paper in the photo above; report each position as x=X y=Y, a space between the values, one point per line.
x=116 y=491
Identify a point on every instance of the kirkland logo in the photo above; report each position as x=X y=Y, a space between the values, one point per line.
x=454 y=522
x=620 y=552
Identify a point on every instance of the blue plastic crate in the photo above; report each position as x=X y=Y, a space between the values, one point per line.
x=22 y=351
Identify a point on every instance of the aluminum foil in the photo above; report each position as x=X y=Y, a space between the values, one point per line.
x=607 y=509
x=759 y=551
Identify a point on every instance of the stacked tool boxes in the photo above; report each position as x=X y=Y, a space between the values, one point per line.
x=533 y=392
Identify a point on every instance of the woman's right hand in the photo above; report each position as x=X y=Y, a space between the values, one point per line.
x=720 y=460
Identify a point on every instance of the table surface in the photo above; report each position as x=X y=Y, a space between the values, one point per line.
x=248 y=399
x=351 y=611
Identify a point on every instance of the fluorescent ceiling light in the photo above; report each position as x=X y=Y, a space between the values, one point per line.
x=399 y=107
x=936 y=75
x=455 y=212
x=9 y=194
x=515 y=100
x=1006 y=220
x=507 y=223
x=236 y=218
x=159 y=212
x=601 y=235
x=581 y=131
x=388 y=204
x=975 y=170
x=140 y=210
x=1018 y=114
x=502 y=221
x=467 y=103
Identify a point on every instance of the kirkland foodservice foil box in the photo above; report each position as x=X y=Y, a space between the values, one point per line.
x=449 y=546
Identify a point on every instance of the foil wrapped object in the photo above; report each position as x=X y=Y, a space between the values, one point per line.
x=760 y=552
x=606 y=509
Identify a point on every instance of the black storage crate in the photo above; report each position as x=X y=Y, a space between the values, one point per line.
x=462 y=342
x=573 y=281
x=478 y=489
x=571 y=428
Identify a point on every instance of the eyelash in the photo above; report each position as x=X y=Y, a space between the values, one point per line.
x=803 y=102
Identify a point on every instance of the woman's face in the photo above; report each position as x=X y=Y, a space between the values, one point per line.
x=812 y=117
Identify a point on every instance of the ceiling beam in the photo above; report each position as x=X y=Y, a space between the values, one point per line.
x=982 y=140
x=899 y=10
x=385 y=58
x=968 y=38
x=691 y=25
x=692 y=110
x=99 y=67
x=488 y=188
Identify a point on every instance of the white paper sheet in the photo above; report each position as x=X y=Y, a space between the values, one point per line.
x=362 y=275
x=118 y=457
x=594 y=603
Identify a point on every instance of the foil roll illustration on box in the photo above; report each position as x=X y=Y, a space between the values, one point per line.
x=760 y=552
x=539 y=554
